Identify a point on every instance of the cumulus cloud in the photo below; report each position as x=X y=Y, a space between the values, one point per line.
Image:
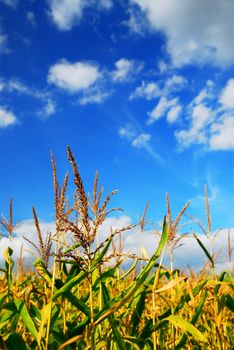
x=25 y=229
x=161 y=108
x=73 y=77
x=195 y=32
x=141 y=141
x=211 y=119
x=163 y=66
x=202 y=116
x=174 y=113
x=227 y=95
x=67 y=13
x=205 y=95
x=148 y=91
x=174 y=83
x=7 y=118
x=126 y=69
x=189 y=253
x=222 y=137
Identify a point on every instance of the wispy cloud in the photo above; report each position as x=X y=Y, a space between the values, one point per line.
x=15 y=86
x=138 y=139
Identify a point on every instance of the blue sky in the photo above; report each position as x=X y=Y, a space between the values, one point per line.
x=142 y=90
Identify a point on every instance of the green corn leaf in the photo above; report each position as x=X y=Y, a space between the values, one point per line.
x=137 y=343
x=229 y=302
x=129 y=270
x=194 y=320
x=184 y=299
x=137 y=313
x=74 y=271
x=26 y=318
x=16 y=342
x=123 y=297
x=70 y=284
x=99 y=256
x=104 y=294
x=78 y=303
x=171 y=284
x=186 y=326
x=42 y=271
x=204 y=249
x=117 y=336
x=221 y=278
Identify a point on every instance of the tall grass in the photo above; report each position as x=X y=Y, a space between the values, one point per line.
x=79 y=297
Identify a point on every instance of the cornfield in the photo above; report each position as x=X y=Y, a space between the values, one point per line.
x=80 y=296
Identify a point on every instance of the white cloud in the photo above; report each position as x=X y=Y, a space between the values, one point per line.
x=73 y=77
x=227 y=96
x=141 y=141
x=68 y=13
x=189 y=254
x=205 y=95
x=222 y=137
x=7 y=118
x=202 y=116
x=161 y=108
x=135 y=23
x=196 y=31
x=25 y=229
x=163 y=66
x=16 y=86
x=201 y=119
x=126 y=69
x=174 y=83
x=146 y=90
x=174 y=113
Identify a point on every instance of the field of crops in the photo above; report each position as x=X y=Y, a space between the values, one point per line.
x=80 y=297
